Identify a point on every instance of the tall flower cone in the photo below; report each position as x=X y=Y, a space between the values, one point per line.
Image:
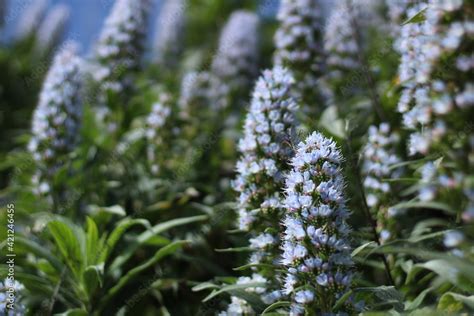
x=316 y=249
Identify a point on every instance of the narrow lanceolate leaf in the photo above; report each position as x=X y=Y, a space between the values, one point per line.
x=132 y=274
x=230 y=288
x=68 y=244
x=92 y=241
x=117 y=233
x=416 y=18
x=274 y=307
x=144 y=237
x=162 y=227
x=40 y=251
x=426 y=205
x=204 y=286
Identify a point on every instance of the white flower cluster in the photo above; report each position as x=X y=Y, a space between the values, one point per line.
x=30 y=19
x=428 y=99
x=52 y=29
x=6 y=297
x=456 y=242
x=299 y=46
x=434 y=178
x=265 y=148
x=339 y=39
x=316 y=250
x=396 y=14
x=155 y=127
x=121 y=43
x=235 y=62
x=266 y=151
x=56 y=119
x=169 y=32
x=196 y=90
x=379 y=155
x=238 y=306
x=346 y=33
x=438 y=92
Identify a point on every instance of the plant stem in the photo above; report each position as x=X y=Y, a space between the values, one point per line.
x=371 y=220
x=55 y=293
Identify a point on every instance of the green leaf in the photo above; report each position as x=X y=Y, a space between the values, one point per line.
x=40 y=251
x=162 y=227
x=253 y=265
x=439 y=266
x=342 y=300
x=229 y=288
x=92 y=241
x=417 y=18
x=92 y=279
x=160 y=254
x=386 y=294
x=452 y=302
x=428 y=205
x=409 y=306
x=103 y=214
x=360 y=248
x=117 y=233
x=114 y=210
x=237 y=249
x=332 y=123
x=151 y=233
x=74 y=312
x=204 y=286
x=157 y=241
x=68 y=245
x=455 y=264
x=275 y=306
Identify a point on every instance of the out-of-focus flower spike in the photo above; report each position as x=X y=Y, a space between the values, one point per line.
x=299 y=46
x=155 y=130
x=52 y=29
x=121 y=44
x=30 y=19
x=170 y=28
x=435 y=94
x=235 y=62
x=339 y=40
x=266 y=146
x=269 y=130
x=379 y=156
x=56 y=119
x=196 y=90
